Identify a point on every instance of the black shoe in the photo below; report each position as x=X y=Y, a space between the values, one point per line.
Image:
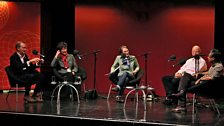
x=29 y=99
x=116 y=89
x=179 y=109
x=119 y=99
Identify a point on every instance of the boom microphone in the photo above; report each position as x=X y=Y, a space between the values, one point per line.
x=172 y=58
x=181 y=62
x=76 y=53
x=35 y=52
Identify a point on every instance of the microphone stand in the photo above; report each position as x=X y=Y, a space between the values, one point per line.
x=145 y=55
x=94 y=68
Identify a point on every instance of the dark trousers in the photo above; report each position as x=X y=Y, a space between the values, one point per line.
x=123 y=80
x=185 y=82
x=170 y=84
x=33 y=78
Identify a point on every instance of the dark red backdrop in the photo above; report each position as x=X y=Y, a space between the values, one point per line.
x=163 y=31
x=18 y=21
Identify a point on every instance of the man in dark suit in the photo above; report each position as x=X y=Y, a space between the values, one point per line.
x=25 y=69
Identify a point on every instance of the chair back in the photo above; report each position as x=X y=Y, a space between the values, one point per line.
x=138 y=77
x=113 y=77
x=13 y=80
x=82 y=73
x=211 y=89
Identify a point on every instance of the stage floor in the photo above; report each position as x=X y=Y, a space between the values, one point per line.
x=102 y=110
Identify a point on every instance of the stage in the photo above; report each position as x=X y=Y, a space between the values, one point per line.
x=102 y=112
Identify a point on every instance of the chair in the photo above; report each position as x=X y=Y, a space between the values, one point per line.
x=14 y=82
x=212 y=90
x=61 y=83
x=133 y=85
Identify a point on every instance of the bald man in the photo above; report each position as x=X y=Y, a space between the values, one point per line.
x=171 y=83
x=215 y=71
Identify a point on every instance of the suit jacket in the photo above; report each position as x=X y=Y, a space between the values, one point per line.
x=20 y=68
x=59 y=65
x=125 y=65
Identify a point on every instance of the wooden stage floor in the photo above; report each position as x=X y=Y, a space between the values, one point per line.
x=101 y=112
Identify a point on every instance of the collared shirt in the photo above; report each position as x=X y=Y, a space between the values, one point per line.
x=21 y=57
x=128 y=64
x=72 y=65
x=189 y=66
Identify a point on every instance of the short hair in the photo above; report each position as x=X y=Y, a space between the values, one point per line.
x=215 y=53
x=18 y=44
x=62 y=45
x=121 y=47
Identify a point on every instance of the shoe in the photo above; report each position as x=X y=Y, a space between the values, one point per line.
x=179 y=109
x=29 y=99
x=116 y=89
x=119 y=99
x=38 y=97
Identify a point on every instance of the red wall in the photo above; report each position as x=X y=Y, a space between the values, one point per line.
x=163 y=32
x=18 y=21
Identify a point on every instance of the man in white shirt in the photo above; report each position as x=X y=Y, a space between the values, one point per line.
x=191 y=66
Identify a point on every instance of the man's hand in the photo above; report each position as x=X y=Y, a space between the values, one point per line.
x=178 y=75
x=34 y=60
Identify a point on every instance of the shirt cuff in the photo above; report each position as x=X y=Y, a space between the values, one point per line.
x=28 y=63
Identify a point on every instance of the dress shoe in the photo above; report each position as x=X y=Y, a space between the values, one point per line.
x=179 y=109
x=29 y=99
x=119 y=99
x=38 y=99
x=116 y=89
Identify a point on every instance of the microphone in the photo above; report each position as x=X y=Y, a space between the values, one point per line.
x=181 y=62
x=123 y=55
x=198 y=56
x=172 y=58
x=35 y=52
x=96 y=51
x=76 y=53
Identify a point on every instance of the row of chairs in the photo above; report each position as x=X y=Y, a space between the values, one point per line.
x=212 y=90
x=133 y=86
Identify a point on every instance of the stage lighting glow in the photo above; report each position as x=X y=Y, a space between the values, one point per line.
x=4 y=13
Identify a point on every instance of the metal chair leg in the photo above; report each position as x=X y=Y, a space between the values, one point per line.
x=136 y=89
x=59 y=87
x=17 y=92
x=108 y=95
x=214 y=106
x=8 y=94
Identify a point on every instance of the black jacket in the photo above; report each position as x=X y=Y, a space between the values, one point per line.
x=20 y=68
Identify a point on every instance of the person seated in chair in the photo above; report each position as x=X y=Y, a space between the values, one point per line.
x=215 y=71
x=171 y=83
x=128 y=66
x=25 y=69
x=65 y=64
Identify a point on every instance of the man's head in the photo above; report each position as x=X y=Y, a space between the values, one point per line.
x=124 y=50
x=21 y=47
x=196 y=50
x=62 y=46
x=214 y=56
